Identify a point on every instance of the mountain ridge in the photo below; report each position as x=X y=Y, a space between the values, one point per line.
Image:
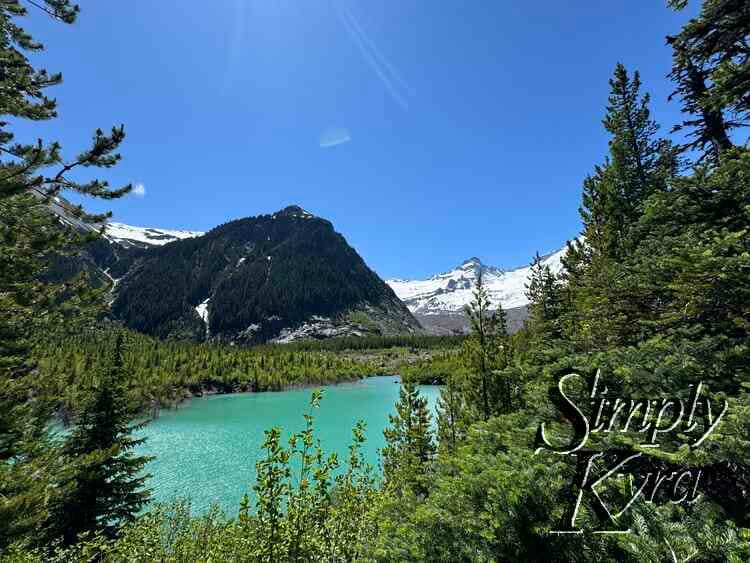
x=437 y=302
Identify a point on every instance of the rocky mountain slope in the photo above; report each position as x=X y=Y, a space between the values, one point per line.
x=438 y=302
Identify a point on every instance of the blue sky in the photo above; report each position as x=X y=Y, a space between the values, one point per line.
x=426 y=131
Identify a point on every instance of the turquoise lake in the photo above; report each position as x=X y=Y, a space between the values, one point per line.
x=206 y=449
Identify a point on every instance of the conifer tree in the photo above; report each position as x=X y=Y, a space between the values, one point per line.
x=21 y=419
x=449 y=415
x=25 y=167
x=30 y=175
x=543 y=293
x=639 y=165
x=709 y=127
x=711 y=72
x=104 y=484
x=410 y=446
x=481 y=351
x=31 y=308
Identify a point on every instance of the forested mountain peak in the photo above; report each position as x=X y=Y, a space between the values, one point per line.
x=282 y=276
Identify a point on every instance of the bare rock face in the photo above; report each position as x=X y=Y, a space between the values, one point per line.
x=320 y=328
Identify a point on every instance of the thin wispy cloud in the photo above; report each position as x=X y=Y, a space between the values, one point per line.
x=394 y=84
x=139 y=189
x=378 y=54
x=334 y=136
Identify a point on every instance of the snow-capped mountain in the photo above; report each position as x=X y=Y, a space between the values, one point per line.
x=129 y=235
x=438 y=302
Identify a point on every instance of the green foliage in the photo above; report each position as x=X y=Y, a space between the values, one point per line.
x=489 y=503
x=102 y=487
x=26 y=167
x=544 y=294
x=24 y=451
x=411 y=341
x=162 y=373
x=305 y=511
x=484 y=391
x=680 y=535
x=30 y=176
x=655 y=294
x=711 y=72
x=311 y=507
x=603 y=303
x=451 y=411
x=410 y=447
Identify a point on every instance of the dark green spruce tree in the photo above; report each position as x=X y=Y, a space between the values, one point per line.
x=103 y=487
x=410 y=446
x=482 y=390
x=544 y=294
x=640 y=164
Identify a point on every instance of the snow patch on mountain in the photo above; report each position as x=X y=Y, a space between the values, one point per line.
x=129 y=235
x=450 y=291
x=202 y=310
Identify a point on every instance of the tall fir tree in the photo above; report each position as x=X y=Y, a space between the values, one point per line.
x=103 y=486
x=410 y=446
x=481 y=352
x=641 y=162
x=605 y=302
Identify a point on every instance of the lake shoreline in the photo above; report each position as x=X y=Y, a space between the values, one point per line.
x=211 y=391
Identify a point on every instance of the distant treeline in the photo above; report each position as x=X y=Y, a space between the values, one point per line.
x=162 y=372
x=426 y=342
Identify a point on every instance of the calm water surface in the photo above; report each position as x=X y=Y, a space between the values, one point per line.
x=206 y=450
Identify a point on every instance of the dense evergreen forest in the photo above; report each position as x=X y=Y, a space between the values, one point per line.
x=161 y=373
x=413 y=342
x=653 y=304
